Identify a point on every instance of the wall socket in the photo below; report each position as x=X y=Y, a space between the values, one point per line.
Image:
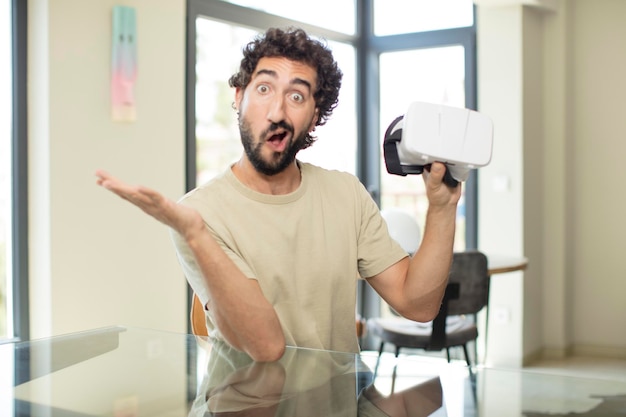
x=501 y=315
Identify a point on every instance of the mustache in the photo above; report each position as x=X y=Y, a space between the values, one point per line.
x=276 y=126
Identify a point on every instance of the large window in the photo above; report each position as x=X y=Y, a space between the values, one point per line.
x=426 y=52
x=392 y=52
x=217 y=135
x=433 y=75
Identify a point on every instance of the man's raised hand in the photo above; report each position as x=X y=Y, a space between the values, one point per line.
x=184 y=220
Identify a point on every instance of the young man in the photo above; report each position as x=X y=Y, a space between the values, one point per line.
x=274 y=247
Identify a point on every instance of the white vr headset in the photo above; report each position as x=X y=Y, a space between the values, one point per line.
x=462 y=139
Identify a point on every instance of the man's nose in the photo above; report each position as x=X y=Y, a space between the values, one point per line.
x=276 y=110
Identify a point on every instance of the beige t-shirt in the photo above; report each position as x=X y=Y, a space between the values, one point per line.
x=306 y=249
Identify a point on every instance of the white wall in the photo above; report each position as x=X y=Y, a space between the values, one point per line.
x=596 y=173
x=94 y=259
x=551 y=75
x=500 y=221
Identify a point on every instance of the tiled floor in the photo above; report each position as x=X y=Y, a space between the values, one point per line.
x=601 y=368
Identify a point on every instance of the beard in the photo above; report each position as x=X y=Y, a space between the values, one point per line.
x=278 y=161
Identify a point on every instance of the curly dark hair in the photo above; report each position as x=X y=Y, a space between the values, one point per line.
x=296 y=45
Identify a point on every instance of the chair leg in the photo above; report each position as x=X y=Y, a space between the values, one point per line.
x=486 y=336
x=395 y=370
x=448 y=354
x=467 y=359
x=476 y=340
x=380 y=352
x=472 y=376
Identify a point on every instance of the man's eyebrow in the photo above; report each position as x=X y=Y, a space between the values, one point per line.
x=273 y=74
x=301 y=81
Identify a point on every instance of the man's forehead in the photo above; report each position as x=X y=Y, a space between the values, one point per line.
x=278 y=66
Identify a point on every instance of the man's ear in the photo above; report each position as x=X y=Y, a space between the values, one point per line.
x=238 y=97
x=314 y=120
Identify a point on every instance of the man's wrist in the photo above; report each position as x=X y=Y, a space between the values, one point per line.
x=195 y=236
x=442 y=210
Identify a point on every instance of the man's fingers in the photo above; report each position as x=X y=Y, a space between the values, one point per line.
x=102 y=176
x=438 y=170
x=106 y=180
x=148 y=200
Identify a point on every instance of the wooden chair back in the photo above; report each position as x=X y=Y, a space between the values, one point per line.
x=198 y=320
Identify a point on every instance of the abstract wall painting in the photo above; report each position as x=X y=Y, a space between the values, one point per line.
x=123 y=64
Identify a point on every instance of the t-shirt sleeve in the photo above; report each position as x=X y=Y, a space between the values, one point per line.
x=191 y=269
x=377 y=250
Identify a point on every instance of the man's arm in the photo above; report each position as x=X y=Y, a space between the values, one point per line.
x=414 y=287
x=246 y=319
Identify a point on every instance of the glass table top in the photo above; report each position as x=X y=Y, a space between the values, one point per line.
x=127 y=372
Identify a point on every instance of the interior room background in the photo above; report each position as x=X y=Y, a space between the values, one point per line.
x=550 y=74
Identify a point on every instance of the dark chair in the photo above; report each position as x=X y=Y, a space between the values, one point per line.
x=466 y=294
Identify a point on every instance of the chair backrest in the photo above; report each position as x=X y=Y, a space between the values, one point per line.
x=403 y=228
x=198 y=319
x=470 y=271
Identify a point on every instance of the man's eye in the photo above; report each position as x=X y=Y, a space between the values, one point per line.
x=297 y=97
x=262 y=89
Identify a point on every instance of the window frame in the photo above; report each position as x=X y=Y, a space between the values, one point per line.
x=368 y=67
x=19 y=174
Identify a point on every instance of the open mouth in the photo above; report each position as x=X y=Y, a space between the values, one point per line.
x=277 y=138
x=278 y=141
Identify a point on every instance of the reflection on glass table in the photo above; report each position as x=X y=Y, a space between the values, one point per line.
x=303 y=382
x=121 y=371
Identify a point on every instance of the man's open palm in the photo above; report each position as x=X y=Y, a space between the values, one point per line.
x=177 y=216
